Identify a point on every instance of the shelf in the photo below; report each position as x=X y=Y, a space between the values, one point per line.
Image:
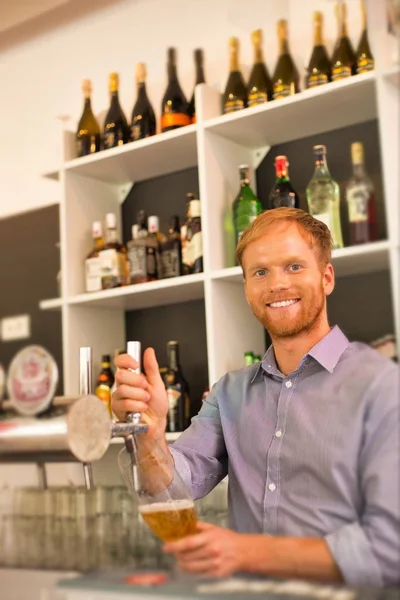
x=170 y=437
x=145 y=295
x=53 y=304
x=154 y=156
x=392 y=74
x=310 y=112
x=353 y=260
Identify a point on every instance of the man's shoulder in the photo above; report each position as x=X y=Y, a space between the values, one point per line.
x=366 y=359
x=237 y=379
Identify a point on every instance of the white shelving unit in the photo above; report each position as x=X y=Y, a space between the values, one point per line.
x=94 y=185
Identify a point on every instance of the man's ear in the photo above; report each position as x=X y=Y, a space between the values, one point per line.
x=329 y=279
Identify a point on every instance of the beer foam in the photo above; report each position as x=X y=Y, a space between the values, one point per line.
x=167 y=506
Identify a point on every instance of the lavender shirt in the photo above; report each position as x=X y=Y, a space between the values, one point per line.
x=312 y=454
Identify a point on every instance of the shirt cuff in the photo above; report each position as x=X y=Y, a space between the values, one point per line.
x=182 y=467
x=353 y=555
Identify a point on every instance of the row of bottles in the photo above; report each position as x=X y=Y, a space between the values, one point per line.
x=285 y=80
x=250 y=358
x=323 y=197
x=179 y=406
x=149 y=255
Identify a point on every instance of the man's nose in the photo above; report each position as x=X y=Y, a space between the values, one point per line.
x=278 y=281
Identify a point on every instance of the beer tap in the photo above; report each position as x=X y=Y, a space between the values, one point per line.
x=85 y=388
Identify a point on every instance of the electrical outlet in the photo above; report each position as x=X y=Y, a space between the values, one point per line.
x=15 y=328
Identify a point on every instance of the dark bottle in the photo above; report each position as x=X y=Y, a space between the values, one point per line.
x=343 y=58
x=105 y=382
x=360 y=196
x=116 y=130
x=184 y=240
x=283 y=193
x=153 y=245
x=194 y=247
x=198 y=61
x=88 y=139
x=319 y=69
x=259 y=88
x=364 y=58
x=143 y=123
x=174 y=106
x=235 y=95
x=171 y=251
x=177 y=391
x=286 y=76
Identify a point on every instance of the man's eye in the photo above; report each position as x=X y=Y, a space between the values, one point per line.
x=260 y=273
x=295 y=268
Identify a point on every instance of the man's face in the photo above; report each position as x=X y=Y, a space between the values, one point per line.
x=285 y=285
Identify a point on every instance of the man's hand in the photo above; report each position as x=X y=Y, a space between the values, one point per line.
x=145 y=394
x=212 y=551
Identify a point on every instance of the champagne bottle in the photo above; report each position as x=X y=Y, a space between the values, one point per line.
x=198 y=61
x=286 y=76
x=319 y=68
x=88 y=138
x=364 y=58
x=174 y=106
x=259 y=87
x=116 y=130
x=343 y=58
x=235 y=95
x=177 y=387
x=143 y=122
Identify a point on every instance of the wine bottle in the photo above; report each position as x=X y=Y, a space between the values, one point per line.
x=283 y=193
x=194 y=237
x=286 y=76
x=319 y=68
x=143 y=123
x=259 y=88
x=116 y=130
x=246 y=206
x=343 y=58
x=198 y=61
x=177 y=387
x=88 y=139
x=105 y=382
x=174 y=106
x=364 y=58
x=360 y=200
x=323 y=196
x=235 y=94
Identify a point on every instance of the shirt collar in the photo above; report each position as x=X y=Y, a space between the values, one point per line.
x=326 y=352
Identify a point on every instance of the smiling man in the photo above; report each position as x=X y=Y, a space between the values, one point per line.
x=308 y=437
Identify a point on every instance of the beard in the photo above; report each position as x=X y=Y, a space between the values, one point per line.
x=285 y=326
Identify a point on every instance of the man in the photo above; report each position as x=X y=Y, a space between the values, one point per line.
x=309 y=437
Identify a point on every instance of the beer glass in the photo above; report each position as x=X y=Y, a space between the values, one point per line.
x=163 y=500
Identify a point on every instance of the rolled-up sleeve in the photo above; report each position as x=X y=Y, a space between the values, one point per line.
x=200 y=454
x=368 y=552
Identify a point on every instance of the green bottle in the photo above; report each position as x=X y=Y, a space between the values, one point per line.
x=247 y=206
x=248 y=359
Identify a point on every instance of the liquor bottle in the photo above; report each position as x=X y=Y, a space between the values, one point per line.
x=257 y=358
x=137 y=256
x=259 y=88
x=285 y=80
x=113 y=257
x=92 y=262
x=174 y=106
x=283 y=193
x=177 y=391
x=194 y=244
x=198 y=61
x=364 y=58
x=171 y=251
x=360 y=200
x=153 y=243
x=235 y=94
x=319 y=69
x=323 y=197
x=116 y=130
x=105 y=382
x=343 y=58
x=246 y=206
x=88 y=139
x=248 y=359
x=143 y=123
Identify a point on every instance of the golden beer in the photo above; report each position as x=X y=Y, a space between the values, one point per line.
x=170 y=521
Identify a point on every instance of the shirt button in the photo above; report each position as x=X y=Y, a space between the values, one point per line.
x=278 y=433
x=272 y=487
x=288 y=384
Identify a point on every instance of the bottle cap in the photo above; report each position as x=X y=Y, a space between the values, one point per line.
x=256 y=37
x=97 y=229
x=114 y=82
x=357 y=153
x=281 y=163
x=198 y=55
x=153 y=224
x=141 y=73
x=282 y=28
x=111 y=221
x=171 y=52
x=234 y=43
x=87 y=88
x=319 y=149
x=172 y=343
x=318 y=17
x=195 y=208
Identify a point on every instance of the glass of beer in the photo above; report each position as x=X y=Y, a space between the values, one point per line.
x=163 y=499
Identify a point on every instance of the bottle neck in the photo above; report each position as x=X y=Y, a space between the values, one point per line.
x=98 y=242
x=114 y=98
x=172 y=72
x=363 y=16
x=88 y=104
x=258 y=54
x=318 y=41
x=199 y=74
x=321 y=165
x=234 y=61
x=141 y=90
x=173 y=358
x=358 y=170
x=112 y=236
x=282 y=174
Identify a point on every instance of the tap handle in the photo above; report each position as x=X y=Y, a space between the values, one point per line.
x=134 y=350
x=85 y=371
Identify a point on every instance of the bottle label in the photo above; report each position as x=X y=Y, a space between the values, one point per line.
x=233 y=105
x=152 y=261
x=340 y=72
x=112 y=268
x=174 y=397
x=113 y=138
x=136 y=132
x=357 y=201
x=93 y=274
x=283 y=90
x=137 y=261
x=365 y=65
x=170 y=263
x=257 y=98
x=194 y=248
x=103 y=393
x=174 y=120
x=325 y=218
x=317 y=79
